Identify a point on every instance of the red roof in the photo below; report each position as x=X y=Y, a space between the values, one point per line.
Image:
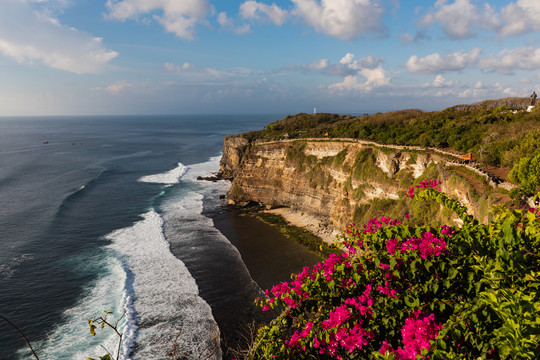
x=468 y=156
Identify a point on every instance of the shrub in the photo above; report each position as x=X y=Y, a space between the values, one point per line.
x=527 y=173
x=408 y=292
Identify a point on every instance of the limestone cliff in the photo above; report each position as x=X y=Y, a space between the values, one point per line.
x=341 y=181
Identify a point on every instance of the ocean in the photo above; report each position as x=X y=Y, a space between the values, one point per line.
x=106 y=214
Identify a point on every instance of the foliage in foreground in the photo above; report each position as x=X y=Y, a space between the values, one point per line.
x=408 y=292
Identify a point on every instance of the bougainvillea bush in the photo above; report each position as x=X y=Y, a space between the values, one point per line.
x=404 y=292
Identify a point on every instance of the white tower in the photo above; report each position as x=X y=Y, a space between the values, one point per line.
x=314 y=110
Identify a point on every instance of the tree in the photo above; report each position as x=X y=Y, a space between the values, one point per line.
x=527 y=173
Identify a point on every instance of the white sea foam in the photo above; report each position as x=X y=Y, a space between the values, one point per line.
x=143 y=279
x=167 y=298
x=169 y=177
x=8 y=269
x=71 y=339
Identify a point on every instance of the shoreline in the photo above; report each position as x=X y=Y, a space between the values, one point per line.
x=270 y=258
x=307 y=222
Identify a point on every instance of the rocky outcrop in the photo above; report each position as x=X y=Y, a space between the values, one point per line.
x=234 y=149
x=336 y=182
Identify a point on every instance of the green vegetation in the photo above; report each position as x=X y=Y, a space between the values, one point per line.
x=404 y=291
x=498 y=132
x=302 y=236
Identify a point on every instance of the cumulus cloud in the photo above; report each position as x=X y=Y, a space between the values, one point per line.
x=344 y=19
x=177 y=17
x=369 y=68
x=317 y=65
x=253 y=10
x=485 y=91
x=440 y=82
x=30 y=35
x=435 y=63
x=373 y=78
x=228 y=24
x=367 y=62
x=455 y=19
x=506 y=62
x=461 y=18
x=509 y=60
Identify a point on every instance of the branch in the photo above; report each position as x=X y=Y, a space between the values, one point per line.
x=21 y=333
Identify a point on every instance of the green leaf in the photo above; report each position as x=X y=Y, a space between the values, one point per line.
x=106 y=357
x=442 y=306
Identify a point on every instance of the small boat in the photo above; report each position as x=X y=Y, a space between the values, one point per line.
x=45 y=142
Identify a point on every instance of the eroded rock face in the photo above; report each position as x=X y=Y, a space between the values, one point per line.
x=325 y=179
x=234 y=148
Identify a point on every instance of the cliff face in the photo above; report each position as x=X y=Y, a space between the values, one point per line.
x=339 y=182
x=234 y=148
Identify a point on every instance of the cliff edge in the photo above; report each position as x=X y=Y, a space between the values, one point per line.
x=336 y=182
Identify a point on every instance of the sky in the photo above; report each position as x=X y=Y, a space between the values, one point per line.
x=123 y=57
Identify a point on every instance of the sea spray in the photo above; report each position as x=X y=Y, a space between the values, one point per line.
x=168 y=178
x=166 y=295
x=71 y=338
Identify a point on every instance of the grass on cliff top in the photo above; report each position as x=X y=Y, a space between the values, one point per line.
x=494 y=130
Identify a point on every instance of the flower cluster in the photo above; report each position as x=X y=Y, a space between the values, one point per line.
x=426 y=184
x=427 y=246
x=359 y=303
x=417 y=333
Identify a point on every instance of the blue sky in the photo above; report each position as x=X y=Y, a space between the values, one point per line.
x=100 y=57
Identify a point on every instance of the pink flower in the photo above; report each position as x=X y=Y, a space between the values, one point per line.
x=417 y=333
x=427 y=246
x=392 y=246
x=337 y=317
x=424 y=185
x=386 y=347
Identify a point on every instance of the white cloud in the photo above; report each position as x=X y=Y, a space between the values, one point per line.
x=178 y=17
x=367 y=62
x=192 y=72
x=435 y=63
x=344 y=19
x=253 y=9
x=520 y=17
x=459 y=19
x=455 y=19
x=374 y=78
x=317 y=65
x=368 y=68
x=440 y=82
x=507 y=61
x=178 y=68
x=228 y=24
x=406 y=38
x=28 y=35
x=481 y=91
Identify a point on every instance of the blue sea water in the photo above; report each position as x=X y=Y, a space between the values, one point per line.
x=105 y=213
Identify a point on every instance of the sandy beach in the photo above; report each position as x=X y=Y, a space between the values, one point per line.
x=307 y=222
